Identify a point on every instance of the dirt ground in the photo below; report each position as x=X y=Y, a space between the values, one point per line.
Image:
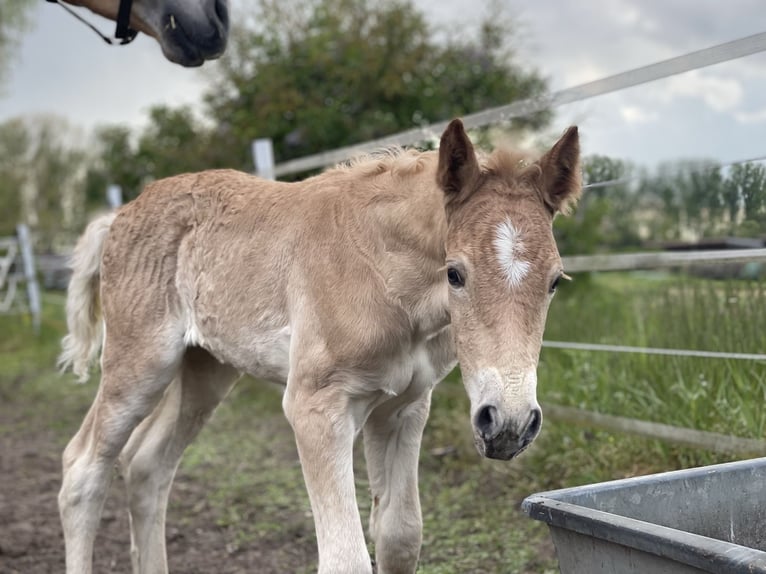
x=238 y=503
x=31 y=541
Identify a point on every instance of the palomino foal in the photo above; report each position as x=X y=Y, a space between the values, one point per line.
x=358 y=288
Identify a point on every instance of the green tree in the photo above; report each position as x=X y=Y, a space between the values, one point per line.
x=14 y=143
x=14 y=19
x=747 y=184
x=55 y=180
x=172 y=143
x=318 y=75
x=40 y=177
x=607 y=217
x=699 y=185
x=115 y=162
x=676 y=198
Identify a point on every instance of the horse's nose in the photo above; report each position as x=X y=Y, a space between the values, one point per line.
x=487 y=422
x=489 y=425
x=534 y=423
x=504 y=437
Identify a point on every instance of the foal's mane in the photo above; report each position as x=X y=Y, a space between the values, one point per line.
x=507 y=164
x=395 y=159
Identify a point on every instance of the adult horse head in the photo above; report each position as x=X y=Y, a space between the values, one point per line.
x=189 y=31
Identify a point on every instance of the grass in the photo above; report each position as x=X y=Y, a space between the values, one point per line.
x=667 y=311
x=471 y=506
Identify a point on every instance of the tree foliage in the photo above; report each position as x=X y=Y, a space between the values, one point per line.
x=14 y=19
x=14 y=142
x=747 y=182
x=607 y=214
x=680 y=200
x=316 y=76
x=40 y=177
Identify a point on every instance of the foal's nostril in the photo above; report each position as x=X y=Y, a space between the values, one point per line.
x=534 y=424
x=486 y=421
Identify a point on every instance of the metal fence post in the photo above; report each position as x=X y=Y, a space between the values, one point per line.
x=263 y=158
x=28 y=262
x=114 y=196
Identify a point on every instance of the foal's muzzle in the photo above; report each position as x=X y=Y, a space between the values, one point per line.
x=501 y=438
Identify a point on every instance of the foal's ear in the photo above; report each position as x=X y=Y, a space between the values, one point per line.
x=560 y=178
x=458 y=170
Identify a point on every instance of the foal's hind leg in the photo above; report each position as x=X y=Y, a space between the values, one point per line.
x=392 y=436
x=132 y=384
x=150 y=458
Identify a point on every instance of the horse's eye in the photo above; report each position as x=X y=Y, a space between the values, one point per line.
x=555 y=283
x=454 y=277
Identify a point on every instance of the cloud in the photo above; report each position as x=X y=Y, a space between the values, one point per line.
x=628 y=16
x=752 y=117
x=637 y=115
x=718 y=93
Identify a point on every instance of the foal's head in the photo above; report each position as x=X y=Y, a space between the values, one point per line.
x=503 y=267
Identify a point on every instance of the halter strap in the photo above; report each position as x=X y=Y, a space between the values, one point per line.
x=123 y=30
x=123 y=34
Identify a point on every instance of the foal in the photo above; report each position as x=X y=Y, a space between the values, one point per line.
x=359 y=289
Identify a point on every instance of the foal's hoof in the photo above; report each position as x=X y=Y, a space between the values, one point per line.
x=374 y=566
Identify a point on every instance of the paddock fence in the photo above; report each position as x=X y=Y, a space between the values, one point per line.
x=19 y=289
x=742 y=47
x=17 y=265
x=696 y=60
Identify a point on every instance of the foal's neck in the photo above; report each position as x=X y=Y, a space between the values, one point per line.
x=409 y=218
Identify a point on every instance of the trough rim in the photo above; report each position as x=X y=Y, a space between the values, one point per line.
x=702 y=552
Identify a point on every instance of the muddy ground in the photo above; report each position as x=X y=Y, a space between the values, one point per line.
x=238 y=503
x=31 y=541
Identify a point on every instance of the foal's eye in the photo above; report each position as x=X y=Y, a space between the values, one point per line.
x=555 y=284
x=454 y=277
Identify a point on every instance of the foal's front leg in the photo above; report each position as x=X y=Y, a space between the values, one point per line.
x=392 y=437
x=324 y=431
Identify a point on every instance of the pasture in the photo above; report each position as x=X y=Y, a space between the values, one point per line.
x=239 y=503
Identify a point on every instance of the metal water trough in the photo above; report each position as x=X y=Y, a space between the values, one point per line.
x=707 y=519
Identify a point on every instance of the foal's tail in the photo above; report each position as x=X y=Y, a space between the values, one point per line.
x=83 y=306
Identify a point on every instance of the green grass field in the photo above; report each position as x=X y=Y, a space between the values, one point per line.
x=246 y=456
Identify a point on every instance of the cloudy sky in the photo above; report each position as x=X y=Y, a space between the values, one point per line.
x=718 y=112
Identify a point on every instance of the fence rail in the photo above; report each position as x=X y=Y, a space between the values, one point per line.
x=598 y=347
x=711 y=441
x=685 y=63
x=658 y=260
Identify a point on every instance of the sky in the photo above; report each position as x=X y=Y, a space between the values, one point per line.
x=717 y=113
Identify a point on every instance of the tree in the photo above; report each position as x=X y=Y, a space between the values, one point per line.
x=687 y=197
x=14 y=18
x=699 y=188
x=318 y=75
x=14 y=143
x=608 y=215
x=40 y=173
x=175 y=142
x=747 y=183
x=115 y=162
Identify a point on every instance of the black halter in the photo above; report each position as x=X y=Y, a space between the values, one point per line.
x=123 y=33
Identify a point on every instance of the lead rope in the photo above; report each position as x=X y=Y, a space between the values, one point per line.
x=124 y=34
